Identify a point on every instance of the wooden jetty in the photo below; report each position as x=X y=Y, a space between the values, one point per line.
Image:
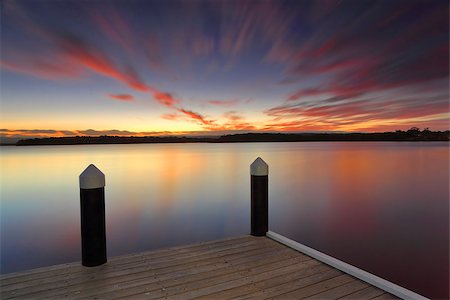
x=245 y=267
x=259 y=266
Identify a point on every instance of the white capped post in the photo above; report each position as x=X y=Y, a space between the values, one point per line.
x=93 y=228
x=92 y=178
x=259 y=212
x=259 y=167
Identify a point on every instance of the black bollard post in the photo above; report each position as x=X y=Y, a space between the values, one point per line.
x=259 y=172
x=93 y=232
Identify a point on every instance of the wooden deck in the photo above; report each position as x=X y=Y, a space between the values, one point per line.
x=240 y=268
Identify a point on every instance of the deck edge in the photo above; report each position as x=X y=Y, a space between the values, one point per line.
x=372 y=279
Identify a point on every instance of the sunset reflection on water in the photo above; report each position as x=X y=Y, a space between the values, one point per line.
x=380 y=206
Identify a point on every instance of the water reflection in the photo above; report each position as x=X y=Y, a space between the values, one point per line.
x=380 y=206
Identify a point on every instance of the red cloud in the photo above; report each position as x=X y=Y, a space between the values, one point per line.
x=96 y=61
x=42 y=68
x=370 y=114
x=326 y=48
x=99 y=63
x=164 y=98
x=75 y=52
x=122 y=97
x=195 y=116
x=306 y=92
x=224 y=102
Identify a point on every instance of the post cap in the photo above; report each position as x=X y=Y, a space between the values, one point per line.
x=92 y=178
x=259 y=167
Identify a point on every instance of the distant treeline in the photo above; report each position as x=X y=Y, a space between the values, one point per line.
x=413 y=134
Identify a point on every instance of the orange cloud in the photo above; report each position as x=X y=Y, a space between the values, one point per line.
x=171 y=117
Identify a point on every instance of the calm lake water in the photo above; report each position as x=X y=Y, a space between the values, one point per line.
x=381 y=206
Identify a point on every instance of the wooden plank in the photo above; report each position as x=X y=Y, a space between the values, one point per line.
x=245 y=277
x=104 y=269
x=63 y=269
x=148 y=269
x=284 y=288
x=167 y=253
x=317 y=288
x=192 y=272
x=341 y=291
x=304 y=270
x=367 y=293
x=171 y=285
x=93 y=273
x=241 y=268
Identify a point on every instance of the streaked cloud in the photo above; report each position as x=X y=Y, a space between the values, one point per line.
x=225 y=103
x=121 y=97
x=343 y=65
x=41 y=67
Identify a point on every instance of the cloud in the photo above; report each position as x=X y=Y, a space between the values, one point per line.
x=196 y=116
x=233 y=116
x=164 y=98
x=114 y=26
x=92 y=132
x=99 y=63
x=77 y=51
x=360 y=58
x=334 y=55
x=153 y=51
x=41 y=67
x=74 y=51
x=37 y=133
x=95 y=60
x=172 y=117
x=233 y=122
x=342 y=113
x=306 y=92
x=122 y=97
x=225 y=103
x=189 y=115
x=13 y=135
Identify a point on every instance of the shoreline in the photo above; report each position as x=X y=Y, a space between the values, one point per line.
x=398 y=136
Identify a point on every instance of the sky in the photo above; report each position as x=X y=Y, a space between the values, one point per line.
x=145 y=67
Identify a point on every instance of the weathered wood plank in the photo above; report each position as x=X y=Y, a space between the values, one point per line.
x=152 y=281
x=206 y=287
x=231 y=268
x=148 y=268
x=340 y=291
x=64 y=269
x=317 y=288
x=293 y=285
x=132 y=266
x=241 y=268
x=303 y=270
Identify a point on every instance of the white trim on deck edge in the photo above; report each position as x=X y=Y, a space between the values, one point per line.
x=347 y=268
